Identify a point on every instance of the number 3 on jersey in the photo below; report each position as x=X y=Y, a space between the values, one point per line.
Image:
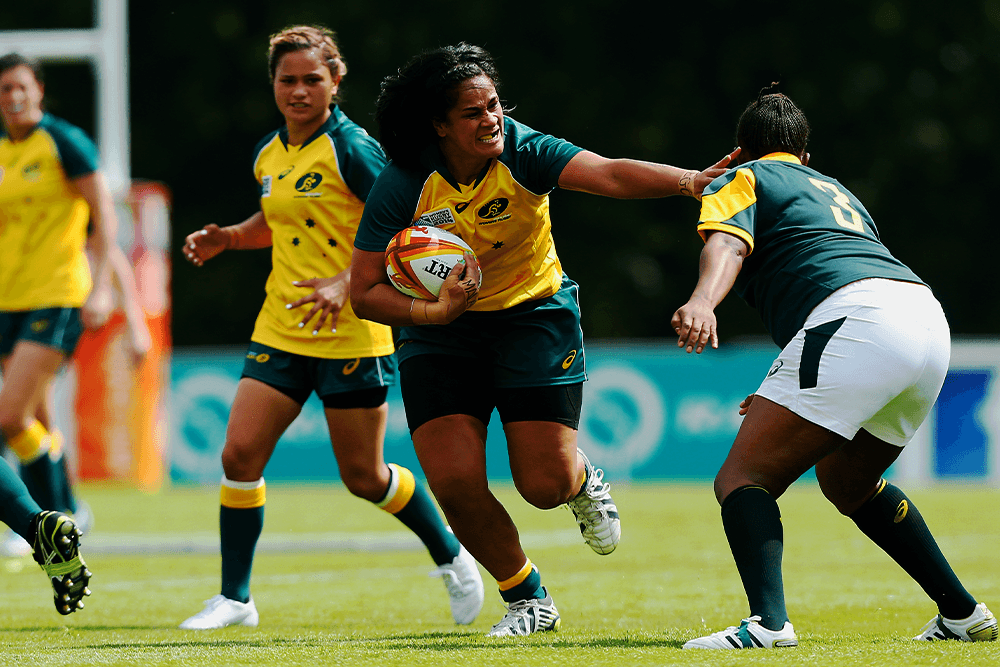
x=843 y=203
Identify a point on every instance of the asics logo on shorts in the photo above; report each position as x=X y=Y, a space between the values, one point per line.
x=39 y=325
x=901 y=511
x=568 y=361
x=351 y=366
x=261 y=358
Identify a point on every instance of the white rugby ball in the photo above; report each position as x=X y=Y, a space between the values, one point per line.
x=419 y=259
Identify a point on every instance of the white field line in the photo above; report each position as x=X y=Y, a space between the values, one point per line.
x=139 y=544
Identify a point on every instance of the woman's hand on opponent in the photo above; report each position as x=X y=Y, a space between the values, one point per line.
x=700 y=180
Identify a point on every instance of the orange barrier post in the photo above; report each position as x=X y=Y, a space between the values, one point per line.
x=120 y=406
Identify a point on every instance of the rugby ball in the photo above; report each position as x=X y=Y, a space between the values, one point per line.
x=418 y=259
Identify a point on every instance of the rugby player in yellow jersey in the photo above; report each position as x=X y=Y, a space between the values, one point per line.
x=314 y=176
x=50 y=187
x=515 y=345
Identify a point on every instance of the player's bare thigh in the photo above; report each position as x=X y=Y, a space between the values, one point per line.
x=259 y=416
x=27 y=372
x=773 y=448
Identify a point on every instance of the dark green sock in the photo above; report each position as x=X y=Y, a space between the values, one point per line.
x=68 y=500
x=239 y=530
x=421 y=516
x=43 y=478
x=529 y=589
x=891 y=521
x=753 y=527
x=17 y=507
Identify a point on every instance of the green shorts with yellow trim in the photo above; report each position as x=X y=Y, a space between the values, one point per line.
x=297 y=376
x=533 y=344
x=59 y=328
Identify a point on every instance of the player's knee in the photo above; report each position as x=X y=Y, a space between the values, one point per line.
x=455 y=489
x=546 y=489
x=836 y=490
x=13 y=420
x=239 y=464
x=363 y=482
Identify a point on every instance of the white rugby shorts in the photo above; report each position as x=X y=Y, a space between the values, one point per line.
x=872 y=355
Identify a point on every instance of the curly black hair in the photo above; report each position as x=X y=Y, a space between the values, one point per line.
x=423 y=91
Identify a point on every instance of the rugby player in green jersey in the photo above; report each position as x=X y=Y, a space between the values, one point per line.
x=515 y=344
x=865 y=349
x=314 y=175
x=50 y=187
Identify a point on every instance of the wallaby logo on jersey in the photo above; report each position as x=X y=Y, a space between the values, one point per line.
x=492 y=211
x=309 y=182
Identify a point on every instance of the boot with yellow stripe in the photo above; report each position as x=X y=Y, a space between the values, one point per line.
x=57 y=550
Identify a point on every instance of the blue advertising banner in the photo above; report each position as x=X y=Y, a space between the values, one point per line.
x=651 y=412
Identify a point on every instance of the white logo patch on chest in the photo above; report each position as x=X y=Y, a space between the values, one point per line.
x=437 y=218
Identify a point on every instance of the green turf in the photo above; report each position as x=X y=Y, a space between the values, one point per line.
x=671 y=579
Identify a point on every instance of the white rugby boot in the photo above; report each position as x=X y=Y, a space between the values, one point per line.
x=525 y=617
x=981 y=626
x=595 y=511
x=221 y=612
x=465 y=586
x=750 y=634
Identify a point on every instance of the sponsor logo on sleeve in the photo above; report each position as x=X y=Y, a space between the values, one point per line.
x=265 y=187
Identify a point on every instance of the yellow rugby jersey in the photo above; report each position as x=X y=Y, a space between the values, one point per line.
x=503 y=216
x=312 y=197
x=43 y=219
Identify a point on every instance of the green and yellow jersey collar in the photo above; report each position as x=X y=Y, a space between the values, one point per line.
x=782 y=157
x=336 y=118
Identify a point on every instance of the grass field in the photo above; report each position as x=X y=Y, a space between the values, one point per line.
x=337 y=582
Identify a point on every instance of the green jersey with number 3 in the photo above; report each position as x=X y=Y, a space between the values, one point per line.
x=808 y=236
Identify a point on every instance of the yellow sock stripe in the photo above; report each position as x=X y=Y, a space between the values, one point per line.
x=242 y=495
x=31 y=443
x=521 y=575
x=406 y=484
x=56 y=448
